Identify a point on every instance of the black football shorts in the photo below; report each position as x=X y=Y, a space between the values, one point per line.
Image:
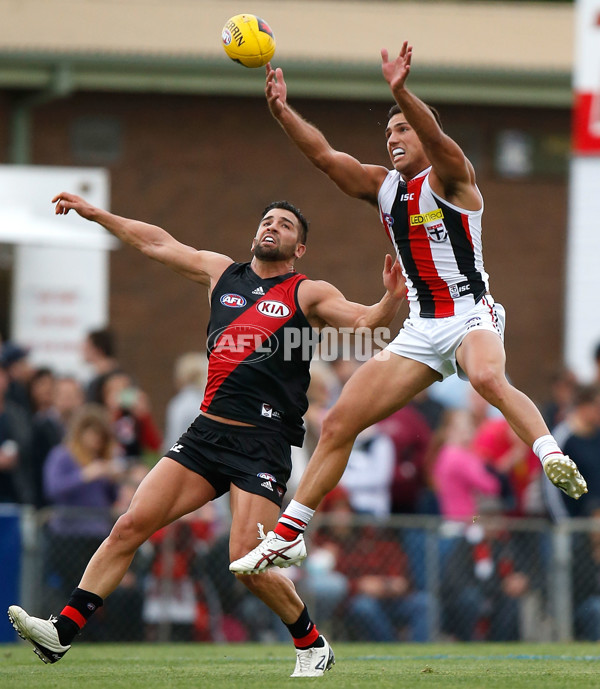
x=254 y=460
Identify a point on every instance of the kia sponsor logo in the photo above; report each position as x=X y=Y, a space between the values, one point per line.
x=234 y=301
x=276 y=309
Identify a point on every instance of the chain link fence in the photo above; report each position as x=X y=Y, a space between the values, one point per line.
x=403 y=579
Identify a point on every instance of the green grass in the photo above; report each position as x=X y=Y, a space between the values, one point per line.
x=253 y=666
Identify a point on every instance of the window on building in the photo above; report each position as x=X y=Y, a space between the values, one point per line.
x=523 y=154
x=96 y=140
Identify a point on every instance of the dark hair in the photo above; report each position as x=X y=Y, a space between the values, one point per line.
x=103 y=340
x=396 y=110
x=586 y=394
x=286 y=206
x=42 y=372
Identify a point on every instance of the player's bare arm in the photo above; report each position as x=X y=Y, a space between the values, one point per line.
x=324 y=304
x=351 y=176
x=204 y=267
x=453 y=177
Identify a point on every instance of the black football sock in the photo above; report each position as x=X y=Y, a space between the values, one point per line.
x=74 y=616
x=304 y=632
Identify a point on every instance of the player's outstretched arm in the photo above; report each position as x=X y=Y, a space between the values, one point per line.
x=351 y=176
x=204 y=267
x=450 y=165
x=324 y=304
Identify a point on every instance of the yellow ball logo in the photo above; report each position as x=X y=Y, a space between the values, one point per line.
x=248 y=39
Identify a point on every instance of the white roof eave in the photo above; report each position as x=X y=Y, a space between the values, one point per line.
x=18 y=226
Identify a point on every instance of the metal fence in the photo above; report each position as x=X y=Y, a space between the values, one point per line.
x=403 y=579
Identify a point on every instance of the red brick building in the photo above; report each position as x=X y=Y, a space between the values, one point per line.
x=203 y=163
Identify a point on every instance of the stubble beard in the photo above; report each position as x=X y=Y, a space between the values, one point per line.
x=272 y=254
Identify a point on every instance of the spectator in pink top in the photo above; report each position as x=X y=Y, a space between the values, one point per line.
x=509 y=457
x=460 y=476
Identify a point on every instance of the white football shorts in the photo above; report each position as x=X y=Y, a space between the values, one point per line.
x=434 y=341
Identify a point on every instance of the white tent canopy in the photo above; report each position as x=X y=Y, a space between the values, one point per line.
x=60 y=267
x=26 y=211
x=21 y=226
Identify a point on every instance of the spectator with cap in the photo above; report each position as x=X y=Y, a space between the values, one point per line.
x=14 y=360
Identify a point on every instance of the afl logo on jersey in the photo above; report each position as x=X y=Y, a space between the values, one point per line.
x=234 y=301
x=276 y=309
x=242 y=343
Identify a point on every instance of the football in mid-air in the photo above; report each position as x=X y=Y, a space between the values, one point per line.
x=248 y=39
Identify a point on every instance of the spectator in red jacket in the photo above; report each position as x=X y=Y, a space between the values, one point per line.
x=133 y=425
x=506 y=455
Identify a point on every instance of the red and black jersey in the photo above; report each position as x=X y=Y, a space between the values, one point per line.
x=438 y=245
x=259 y=349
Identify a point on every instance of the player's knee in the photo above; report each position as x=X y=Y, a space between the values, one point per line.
x=129 y=532
x=266 y=582
x=489 y=383
x=255 y=583
x=337 y=430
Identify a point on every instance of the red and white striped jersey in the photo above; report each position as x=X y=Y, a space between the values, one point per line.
x=438 y=245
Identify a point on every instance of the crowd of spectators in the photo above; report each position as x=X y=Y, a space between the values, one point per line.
x=68 y=444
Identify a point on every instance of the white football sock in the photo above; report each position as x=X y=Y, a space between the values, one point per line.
x=544 y=446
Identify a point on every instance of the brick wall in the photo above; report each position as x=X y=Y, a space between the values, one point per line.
x=204 y=168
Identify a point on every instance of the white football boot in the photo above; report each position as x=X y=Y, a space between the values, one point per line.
x=272 y=552
x=313 y=662
x=41 y=634
x=564 y=474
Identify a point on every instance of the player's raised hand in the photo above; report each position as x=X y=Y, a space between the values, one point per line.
x=275 y=89
x=396 y=71
x=393 y=280
x=66 y=201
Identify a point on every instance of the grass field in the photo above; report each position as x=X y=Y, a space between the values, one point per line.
x=253 y=666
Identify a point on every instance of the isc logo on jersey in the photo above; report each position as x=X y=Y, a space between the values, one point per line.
x=276 y=309
x=235 y=301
